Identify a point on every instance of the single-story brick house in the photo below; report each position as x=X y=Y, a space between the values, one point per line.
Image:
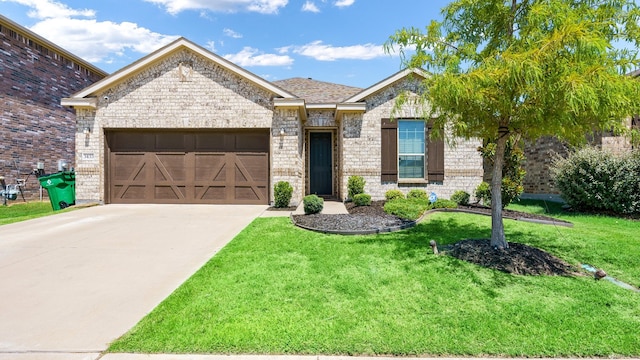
x=183 y=125
x=35 y=75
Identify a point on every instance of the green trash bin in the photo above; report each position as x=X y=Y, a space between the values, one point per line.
x=61 y=188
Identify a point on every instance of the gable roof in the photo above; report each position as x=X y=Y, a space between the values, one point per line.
x=39 y=40
x=385 y=83
x=317 y=92
x=177 y=45
x=635 y=73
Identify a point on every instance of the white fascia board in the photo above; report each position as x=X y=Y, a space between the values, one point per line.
x=321 y=106
x=360 y=106
x=296 y=103
x=280 y=102
x=384 y=83
x=90 y=102
x=174 y=46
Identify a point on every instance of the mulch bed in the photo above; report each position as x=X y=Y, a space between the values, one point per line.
x=519 y=259
x=516 y=259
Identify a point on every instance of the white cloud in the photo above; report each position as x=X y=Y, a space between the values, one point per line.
x=211 y=45
x=344 y=3
x=80 y=33
x=48 y=9
x=261 y=6
x=310 y=7
x=95 y=41
x=322 y=52
x=252 y=57
x=232 y=34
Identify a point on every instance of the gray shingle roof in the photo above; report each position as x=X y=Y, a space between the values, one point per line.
x=317 y=92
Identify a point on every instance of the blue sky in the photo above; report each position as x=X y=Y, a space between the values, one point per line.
x=337 y=41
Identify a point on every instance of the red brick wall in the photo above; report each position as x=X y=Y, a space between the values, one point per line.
x=33 y=125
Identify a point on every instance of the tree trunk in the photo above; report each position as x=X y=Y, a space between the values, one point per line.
x=498 y=239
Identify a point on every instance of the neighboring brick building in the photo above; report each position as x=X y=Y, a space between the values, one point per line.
x=34 y=127
x=183 y=125
x=541 y=154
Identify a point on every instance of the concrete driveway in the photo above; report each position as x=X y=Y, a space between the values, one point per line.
x=74 y=282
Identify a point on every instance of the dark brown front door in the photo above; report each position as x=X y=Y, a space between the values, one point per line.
x=222 y=167
x=320 y=160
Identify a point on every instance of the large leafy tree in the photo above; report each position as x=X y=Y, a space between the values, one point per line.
x=503 y=69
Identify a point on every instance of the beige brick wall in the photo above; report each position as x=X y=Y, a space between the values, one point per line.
x=362 y=149
x=287 y=162
x=185 y=91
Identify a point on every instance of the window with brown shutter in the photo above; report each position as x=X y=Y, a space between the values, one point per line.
x=435 y=159
x=390 y=158
x=389 y=137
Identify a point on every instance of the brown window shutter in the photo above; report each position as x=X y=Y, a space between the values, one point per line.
x=389 y=137
x=435 y=159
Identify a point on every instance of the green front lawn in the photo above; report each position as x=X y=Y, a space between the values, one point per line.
x=20 y=211
x=277 y=289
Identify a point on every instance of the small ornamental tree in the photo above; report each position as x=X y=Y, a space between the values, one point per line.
x=505 y=69
x=512 y=171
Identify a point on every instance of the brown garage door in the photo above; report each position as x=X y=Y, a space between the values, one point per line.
x=203 y=167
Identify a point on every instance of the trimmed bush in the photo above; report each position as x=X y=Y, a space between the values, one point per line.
x=355 y=185
x=410 y=209
x=461 y=197
x=393 y=194
x=445 y=204
x=362 y=199
x=312 y=204
x=483 y=193
x=594 y=180
x=417 y=194
x=282 y=192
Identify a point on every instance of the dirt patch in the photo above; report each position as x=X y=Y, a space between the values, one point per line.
x=517 y=259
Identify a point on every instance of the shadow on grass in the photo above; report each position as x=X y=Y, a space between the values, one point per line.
x=415 y=241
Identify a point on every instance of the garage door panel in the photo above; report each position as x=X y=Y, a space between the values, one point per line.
x=189 y=167
x=169 y=192
x=170 y=167
x=130 y=166
x=130 y=192
x=210 y=142
x=249 y=194
x=251 y=142
x=211 y=193
x=210 y=167
x=170 y=141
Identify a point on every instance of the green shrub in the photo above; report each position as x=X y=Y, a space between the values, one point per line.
x=362 y=199
x=282 y=192
x=445 y=204
x=461 y=197
x=417 y=194
x=393 y=194
x=483 y=193
x=594 y=180
x=355 y=185
x=312 y=204
x=410 y=209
